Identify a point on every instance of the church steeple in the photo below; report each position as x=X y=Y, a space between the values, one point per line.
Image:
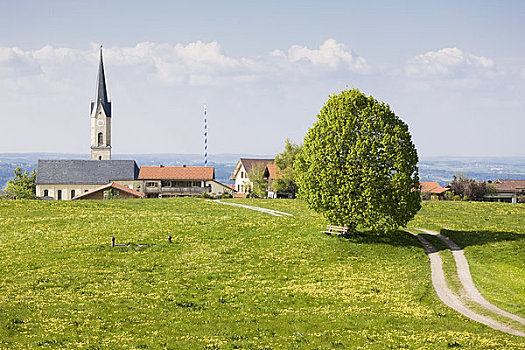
x=101 y=118
x=101 y=94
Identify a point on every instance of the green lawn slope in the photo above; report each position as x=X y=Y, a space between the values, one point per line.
x=231 y=279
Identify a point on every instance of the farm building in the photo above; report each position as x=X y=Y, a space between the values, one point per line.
x=161 y=181
x=512 y=191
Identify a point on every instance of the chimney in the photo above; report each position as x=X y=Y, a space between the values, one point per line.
x=184 y=165
x=162 y=166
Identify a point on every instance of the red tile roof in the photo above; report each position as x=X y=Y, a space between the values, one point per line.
x=239 y=195
x=431 y=187
x=273 y=171
x=509 y=185
x=110 y=185
x=176 y=173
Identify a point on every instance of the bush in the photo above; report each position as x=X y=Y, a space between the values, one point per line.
x=448 y=195
x=206 y=195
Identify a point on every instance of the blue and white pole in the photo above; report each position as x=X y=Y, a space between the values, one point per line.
x=205 y=136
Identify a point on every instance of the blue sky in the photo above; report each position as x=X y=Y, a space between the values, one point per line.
x=454 y=71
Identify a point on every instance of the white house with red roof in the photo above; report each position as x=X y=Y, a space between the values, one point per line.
x=240 y=177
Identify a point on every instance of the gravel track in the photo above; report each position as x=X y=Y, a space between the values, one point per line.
x=454 y=301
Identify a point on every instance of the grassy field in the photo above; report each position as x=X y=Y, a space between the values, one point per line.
x=236 y=279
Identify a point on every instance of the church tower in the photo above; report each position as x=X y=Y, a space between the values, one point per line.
x=101 y=118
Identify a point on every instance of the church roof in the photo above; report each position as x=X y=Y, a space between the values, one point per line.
x=85 y=172
x=101 y=94
x=176 y=173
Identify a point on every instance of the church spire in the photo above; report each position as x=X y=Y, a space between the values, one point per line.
x=101 y=95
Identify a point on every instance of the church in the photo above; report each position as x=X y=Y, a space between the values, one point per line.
x=102 y=177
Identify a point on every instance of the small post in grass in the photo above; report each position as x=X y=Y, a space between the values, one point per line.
x=169 y=239
x=112 y=242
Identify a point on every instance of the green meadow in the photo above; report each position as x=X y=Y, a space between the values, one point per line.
x=233 y=278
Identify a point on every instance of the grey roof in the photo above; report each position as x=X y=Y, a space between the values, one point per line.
x=85 y=172
x=101 y=95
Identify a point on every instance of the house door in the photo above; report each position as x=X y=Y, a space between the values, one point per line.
x=59 y=195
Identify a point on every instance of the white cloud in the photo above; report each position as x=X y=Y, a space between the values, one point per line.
x=451 y=63
x=196 y=63
x=17 y=63
x=331 y=55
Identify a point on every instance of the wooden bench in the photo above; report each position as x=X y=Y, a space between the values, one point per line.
x=336 y=230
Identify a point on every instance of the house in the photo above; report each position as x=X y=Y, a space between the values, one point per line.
x=169 y=181
x=432 y=190
x=272 y=172
x=65 y=179
x=111 y=190
x=242 y=182
x=512 y=191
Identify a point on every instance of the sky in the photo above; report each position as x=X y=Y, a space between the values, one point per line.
x=454 y=71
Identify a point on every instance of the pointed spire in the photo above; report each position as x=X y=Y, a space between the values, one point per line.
x=101 y=95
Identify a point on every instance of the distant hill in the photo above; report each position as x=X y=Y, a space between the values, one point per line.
x=440 y=169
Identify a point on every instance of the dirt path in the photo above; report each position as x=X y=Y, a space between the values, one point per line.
x=451 y=299
x=463 y=271
x=264 y=210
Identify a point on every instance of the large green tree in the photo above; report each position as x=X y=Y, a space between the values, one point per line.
x=359 y=165
x=22 y=186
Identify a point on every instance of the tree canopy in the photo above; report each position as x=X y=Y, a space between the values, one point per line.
x=22 y=186
x=284 y=161
x=258 y=186
x=359 y=165
x=469 y=189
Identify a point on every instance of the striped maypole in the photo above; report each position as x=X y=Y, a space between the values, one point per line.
x=205 y=137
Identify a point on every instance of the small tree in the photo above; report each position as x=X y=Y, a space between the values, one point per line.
x=258 y=188
x=284 y=161
x=359 y=165
x=22 y=186
x=468 y=189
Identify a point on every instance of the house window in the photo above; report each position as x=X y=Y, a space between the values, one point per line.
x=100 y=139
x=196 y=184
x=99 y=157
x=72 y=194
x=46 y=193
x=151 y=184
x=242 y=174
x=59 y=195
x=238 y=188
